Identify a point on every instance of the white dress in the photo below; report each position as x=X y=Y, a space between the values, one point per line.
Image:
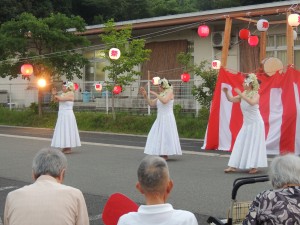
x=249 y=150
x=66 y=132
x=163 y=137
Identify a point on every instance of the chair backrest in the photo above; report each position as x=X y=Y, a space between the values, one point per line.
x=116 y=206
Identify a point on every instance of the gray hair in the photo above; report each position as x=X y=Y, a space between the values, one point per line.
x=285 y=170
x=49 y=161
x=153 y=173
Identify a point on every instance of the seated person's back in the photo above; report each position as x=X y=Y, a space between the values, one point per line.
x=155 y=183
x=280 y=205
x=47 y=201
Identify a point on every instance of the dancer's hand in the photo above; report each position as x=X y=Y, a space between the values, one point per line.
x=143 y=91
x=225 y=89
x=238 y=91
x=54 y=91
x=154 y=93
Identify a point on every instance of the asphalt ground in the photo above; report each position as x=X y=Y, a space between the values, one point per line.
x=107 y=163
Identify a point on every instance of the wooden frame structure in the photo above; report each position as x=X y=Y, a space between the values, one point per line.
x=263 y=39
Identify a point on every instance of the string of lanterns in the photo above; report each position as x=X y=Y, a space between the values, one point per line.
x=203 y=32
x=245 y=34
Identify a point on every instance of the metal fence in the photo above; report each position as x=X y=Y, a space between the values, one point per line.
x=22 y=95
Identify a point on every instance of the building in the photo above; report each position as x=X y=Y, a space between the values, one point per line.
x=167 y=36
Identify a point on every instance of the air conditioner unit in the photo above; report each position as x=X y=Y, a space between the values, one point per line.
x=217 y=39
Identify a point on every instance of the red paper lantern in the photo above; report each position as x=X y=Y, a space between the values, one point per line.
x=203 y=31
x=117 y=89
x=26 y=69
x=244 y=34
x=253 y=40
x=76 y=86
x=185 y=77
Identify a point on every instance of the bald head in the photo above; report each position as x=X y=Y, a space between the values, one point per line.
x=153 y=174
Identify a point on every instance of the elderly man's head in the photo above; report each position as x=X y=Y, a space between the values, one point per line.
x=50 y=162
x=285 y=170
x=153 y=176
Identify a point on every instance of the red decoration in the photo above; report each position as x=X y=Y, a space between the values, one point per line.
x=216 y=64
x=244 y=34
x=253 y=40
x=26 y=69
x=98 y=87
x=155 y=80
x=76 y=86
x=203 y=31
x=114 y=53
x=117 y=89
x=294 y=20
x=262 y=25
x=185 y=77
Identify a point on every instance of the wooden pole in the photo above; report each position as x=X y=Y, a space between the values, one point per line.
x=263 y=44
x=226 y=43
x=289 y=42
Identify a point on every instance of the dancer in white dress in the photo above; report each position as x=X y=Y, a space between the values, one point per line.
x=249 y=150
x=163 y=139
x=66 y=134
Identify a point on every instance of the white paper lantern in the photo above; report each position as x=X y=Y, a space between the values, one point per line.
x=262 y=25
x=295 y=35
x=155 y=80
x=294 y=20
x=114 y=53
x=216 y=64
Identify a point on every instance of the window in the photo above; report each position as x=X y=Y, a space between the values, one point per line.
x=276 y=47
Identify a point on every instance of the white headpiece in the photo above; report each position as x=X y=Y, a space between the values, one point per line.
x=69 y=85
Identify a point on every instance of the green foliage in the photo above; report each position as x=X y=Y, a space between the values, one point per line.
x=28 y=39
x=188 y=126
x=53 y=105
x=204 y=91
x=123 y=71
x=177 y=109
x=185 y=59
x=34 y=108
x=99 y=11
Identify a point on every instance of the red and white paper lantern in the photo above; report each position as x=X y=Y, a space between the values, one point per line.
x=294 y=20
x=98 y=87
x=155 y=80
x=262 y=25
x=216 y=64
x=114 y=53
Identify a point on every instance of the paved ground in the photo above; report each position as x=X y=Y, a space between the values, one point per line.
x=107 y=163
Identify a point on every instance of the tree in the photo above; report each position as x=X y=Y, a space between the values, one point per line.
x=123 y=71
x=204 y=91
x=45 y=43
x=10 y=9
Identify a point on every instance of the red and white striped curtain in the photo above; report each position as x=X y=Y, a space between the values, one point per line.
x=279 y=107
